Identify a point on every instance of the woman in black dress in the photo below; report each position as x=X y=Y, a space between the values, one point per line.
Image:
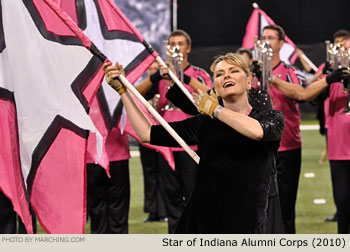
x=237 y=145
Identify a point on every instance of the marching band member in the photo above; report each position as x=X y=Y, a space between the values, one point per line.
x=289 y=152
x=108 y=199
x=338 y=127
x=323 y=101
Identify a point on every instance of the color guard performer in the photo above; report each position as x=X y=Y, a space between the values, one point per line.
x=232 y=188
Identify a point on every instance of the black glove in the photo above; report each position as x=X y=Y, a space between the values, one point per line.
x=187 y=79
x=156 y=77
x=339 y=75
x=327 y=68
x=256 y=69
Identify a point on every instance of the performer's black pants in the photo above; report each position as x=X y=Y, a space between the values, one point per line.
x=153 y=199
x=340 y=173
x=108 y=199
x=288 y=171
x=8 y=218
x=177 y=185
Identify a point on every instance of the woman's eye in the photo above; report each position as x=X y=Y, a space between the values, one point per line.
x=218 y=75
x=234 y=71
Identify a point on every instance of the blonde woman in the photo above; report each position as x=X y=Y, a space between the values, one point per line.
x=237 y=145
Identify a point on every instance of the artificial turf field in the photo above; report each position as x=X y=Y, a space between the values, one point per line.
x=309 y=216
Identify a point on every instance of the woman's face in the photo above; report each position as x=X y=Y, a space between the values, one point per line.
x=230 y=80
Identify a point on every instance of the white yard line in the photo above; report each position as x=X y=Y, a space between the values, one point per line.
x=134 y=153
x=310 y=127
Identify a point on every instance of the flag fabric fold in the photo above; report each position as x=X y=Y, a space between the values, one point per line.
x=46 y=64
x=256 y=23
x=128 y=129
x=110 y=30
x=11 y=183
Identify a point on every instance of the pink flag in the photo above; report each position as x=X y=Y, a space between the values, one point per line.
x=119 y=40
x=45 y=63
x=10 y=170
x=128 y=129
x=257 y=21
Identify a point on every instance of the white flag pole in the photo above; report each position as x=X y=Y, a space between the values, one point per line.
x=177 y=81
x=255 y=5
x=160 y=119
x=174 y=15
x=309 y=62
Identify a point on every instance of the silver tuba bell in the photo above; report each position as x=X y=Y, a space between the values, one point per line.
x=263 y=55
x=175 y=58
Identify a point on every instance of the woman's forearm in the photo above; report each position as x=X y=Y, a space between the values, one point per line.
x=137 y=118
x=243 y=124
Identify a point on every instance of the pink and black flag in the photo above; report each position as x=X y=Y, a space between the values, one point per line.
x=105 y=24
x=48 y=79
x=256 y=23
x=11 y=183
x=128 y=129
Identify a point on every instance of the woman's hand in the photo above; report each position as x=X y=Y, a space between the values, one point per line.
x=112 y=74
x=205 y=103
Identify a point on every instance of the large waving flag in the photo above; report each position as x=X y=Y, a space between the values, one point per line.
x=256 y=23
x=48 y=79
x=119 y=40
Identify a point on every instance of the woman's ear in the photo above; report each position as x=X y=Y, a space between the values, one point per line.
x=249 y=83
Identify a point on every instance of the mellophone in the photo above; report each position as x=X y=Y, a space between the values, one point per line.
x=263 y=55
x=175 y=58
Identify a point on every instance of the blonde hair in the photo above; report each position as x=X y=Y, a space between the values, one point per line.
x=231 y=58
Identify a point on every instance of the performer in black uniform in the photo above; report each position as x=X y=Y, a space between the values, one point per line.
x=237 y=145
x=10 y=222
x=7 y=216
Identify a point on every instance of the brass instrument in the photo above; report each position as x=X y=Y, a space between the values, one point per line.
x=154 y=101
x=263 y=55
x=338 y=57
x=328 y=50
x=175 y=58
